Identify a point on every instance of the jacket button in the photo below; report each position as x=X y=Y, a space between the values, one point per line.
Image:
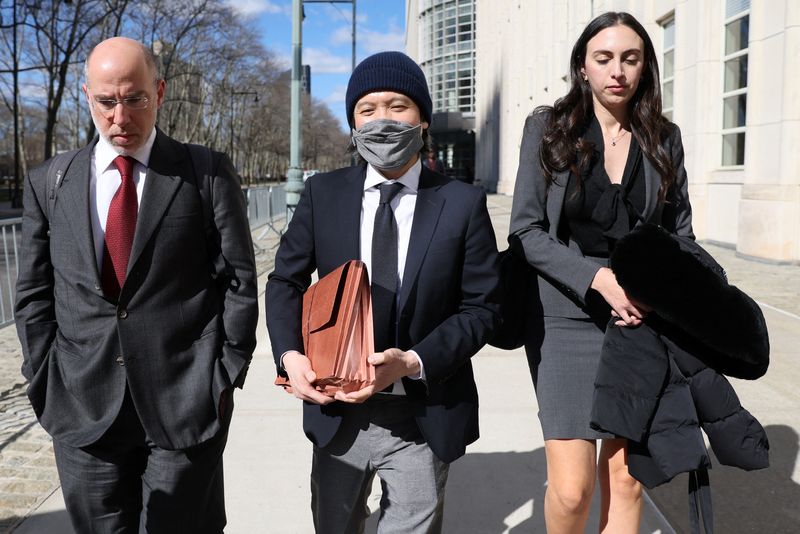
x=120 y=360
x=122 y=314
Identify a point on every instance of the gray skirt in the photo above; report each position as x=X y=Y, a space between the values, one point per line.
x=563 y=357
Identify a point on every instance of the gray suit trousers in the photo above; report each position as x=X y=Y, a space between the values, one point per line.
x=378 y=437
x=125 y=484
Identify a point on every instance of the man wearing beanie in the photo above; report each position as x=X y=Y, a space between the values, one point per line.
x=431 y=254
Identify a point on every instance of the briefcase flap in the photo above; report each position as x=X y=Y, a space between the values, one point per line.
x=322 y=300
x=337 y=330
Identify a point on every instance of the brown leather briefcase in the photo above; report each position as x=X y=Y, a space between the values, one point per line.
x=337 y=330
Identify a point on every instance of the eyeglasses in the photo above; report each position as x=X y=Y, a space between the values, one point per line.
x=108 y=105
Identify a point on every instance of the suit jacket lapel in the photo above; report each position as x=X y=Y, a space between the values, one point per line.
x=167 y=160
x=652 y=184
x=426 y=217
x=73 y=198
x=348 y=208
x=555 y=200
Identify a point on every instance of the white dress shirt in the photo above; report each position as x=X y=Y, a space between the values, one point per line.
x=104 y=182
x=402 y=205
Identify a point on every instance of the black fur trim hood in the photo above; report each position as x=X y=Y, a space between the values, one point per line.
x=684 y=285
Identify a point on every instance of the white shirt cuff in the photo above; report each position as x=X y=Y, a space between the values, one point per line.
x=283 y=356
x=421 y=375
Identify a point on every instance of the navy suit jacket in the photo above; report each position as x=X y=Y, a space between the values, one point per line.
x=447 y=305
x=177 y=338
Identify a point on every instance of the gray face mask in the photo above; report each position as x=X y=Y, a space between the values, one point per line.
x=386 y=144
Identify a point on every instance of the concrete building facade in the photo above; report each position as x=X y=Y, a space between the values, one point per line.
x=729 y=82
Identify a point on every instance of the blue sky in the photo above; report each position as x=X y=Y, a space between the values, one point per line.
x=380 y=25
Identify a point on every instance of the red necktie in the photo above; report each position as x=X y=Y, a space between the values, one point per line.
x=120 y=227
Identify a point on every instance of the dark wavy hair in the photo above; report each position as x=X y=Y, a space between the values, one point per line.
x=563 y=148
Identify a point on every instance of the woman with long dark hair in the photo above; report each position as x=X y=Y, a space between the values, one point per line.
x=593 y=165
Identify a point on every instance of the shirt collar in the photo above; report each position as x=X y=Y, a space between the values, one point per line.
x=410 y=179
x=104 y=153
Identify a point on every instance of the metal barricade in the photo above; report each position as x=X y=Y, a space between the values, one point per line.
x=257 y=206
x=265 y=207
x=10 y=234
x=277 y=202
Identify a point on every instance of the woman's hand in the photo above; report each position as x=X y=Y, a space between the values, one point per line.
x=622 y=306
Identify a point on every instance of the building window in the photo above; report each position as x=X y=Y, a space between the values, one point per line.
x=448 y=53
x=734 y=90
x=668 y=68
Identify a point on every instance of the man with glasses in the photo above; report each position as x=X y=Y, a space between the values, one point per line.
x=136 y=310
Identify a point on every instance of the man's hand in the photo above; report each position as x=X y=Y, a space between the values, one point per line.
x=302 y=378
x=629 y=313
x=390 y=366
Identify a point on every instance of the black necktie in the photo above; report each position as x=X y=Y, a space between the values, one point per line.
x=384 y=270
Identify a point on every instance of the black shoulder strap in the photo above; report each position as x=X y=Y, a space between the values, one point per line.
x=55 y=172
x=700 y=507
x=204 y=173
x=202 y=162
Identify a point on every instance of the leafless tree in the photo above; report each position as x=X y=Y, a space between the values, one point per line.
x=224 y=89
x=324 y=142
x=61 y=30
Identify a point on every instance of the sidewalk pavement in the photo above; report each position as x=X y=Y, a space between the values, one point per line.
x=498 y=487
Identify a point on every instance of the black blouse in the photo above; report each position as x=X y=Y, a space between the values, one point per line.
x=597 y=212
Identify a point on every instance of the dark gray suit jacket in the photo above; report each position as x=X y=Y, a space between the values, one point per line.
x=447 y=307
x=565 y=274
x=177 y=336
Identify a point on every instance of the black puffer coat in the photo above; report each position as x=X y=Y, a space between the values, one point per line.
x=653 y=391
x=660 y=383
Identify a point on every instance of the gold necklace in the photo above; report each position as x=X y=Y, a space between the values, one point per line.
x=617 y=138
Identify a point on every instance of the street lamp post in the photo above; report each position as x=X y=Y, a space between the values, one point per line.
x=234 y=93
x=15 y=197
x=294 y=179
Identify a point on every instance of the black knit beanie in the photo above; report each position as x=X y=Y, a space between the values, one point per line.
x=389 y=71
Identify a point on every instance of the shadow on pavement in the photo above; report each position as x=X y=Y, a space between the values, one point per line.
x=16 y=417
x=745 y=502
x=51 y=522
x=493 y=493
